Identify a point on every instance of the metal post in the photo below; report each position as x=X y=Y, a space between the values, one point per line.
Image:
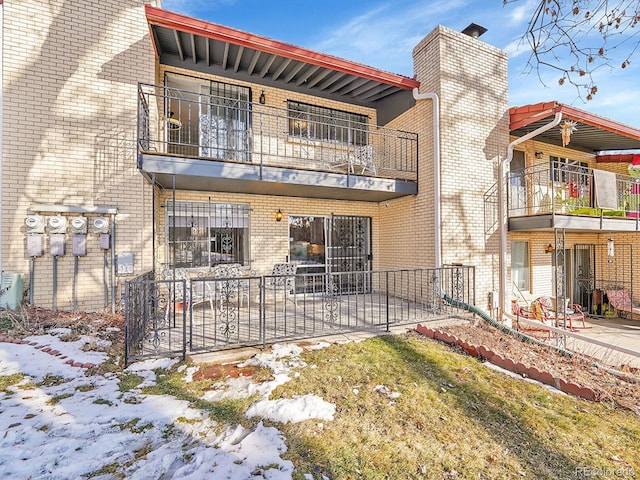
x=75 y=283
x=263 y=316
x=126 y=325
x=153 y=223
x=32 y=269
x=387 y=297
x=55 y=283
x=105 y=268
x=561 y=280
x=113 y=262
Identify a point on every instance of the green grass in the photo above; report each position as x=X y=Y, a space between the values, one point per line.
x=8 y=380
x=454 y=418
x=129 y=381
x=224 y=411
x=55 y=400
x=51 y=381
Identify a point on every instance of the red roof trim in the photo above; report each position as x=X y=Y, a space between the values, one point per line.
x=523 y=116
x=176 y=21
x=632 y=158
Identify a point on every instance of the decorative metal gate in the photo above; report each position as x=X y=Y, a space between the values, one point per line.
x=584 y=262
x=601 y=268
x=350 y=251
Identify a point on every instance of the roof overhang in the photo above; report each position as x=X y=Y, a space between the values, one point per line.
x=592 y=134
x=206 y=47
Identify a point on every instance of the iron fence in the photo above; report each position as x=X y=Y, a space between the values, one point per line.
x=173 y=317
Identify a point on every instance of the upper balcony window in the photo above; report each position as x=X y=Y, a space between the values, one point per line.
x=326 y=124
x=224 y=121
x=207 y=118
x=566 y=170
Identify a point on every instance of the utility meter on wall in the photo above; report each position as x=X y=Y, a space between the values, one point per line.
x=56 y=245
x=100 y=225
x=35 y=245
x=57 y=224
x=79 y=225
x=34 y=223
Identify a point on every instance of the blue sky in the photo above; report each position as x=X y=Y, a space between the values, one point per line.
x=382 y=34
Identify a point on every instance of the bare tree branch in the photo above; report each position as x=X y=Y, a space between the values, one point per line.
x=578 y=37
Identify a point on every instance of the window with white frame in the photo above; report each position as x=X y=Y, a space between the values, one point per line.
x=326 y=124
x=202 y=234
x=567 y=170
x=520 y=273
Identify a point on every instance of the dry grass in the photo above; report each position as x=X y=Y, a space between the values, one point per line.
x=454 y=418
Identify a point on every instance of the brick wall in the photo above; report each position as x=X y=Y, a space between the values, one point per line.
x=269 y=242
x=70 y=80
x=470 y=78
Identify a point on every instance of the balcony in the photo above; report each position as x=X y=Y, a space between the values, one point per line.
x=199 y=141
x=572 y=197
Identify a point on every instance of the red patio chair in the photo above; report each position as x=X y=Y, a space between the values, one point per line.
x=573 y=313
x=531 y=328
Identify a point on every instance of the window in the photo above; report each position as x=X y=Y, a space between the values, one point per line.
x=307 y=240
x=201 y=234
x=328 y=124
x=520 y=264
x=567 y=170
x=517 y=182
x=211 y=119
x=224 y=121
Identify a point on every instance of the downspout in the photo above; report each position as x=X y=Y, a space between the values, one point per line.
x=436 y=170
x=1 y=118
x=502 y=207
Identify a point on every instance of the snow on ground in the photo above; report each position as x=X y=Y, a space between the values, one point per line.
x=59 y=423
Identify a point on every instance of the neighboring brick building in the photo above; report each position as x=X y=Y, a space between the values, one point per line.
x=234 y=129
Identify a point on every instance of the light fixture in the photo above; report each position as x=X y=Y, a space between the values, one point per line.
x=262 y=99
x=279 y=216
x=610 y=248
x=549 y=248
x=539 y=154
x=173 y=123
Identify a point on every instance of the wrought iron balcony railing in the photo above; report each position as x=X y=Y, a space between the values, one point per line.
x=181 y=123
x=572 y=190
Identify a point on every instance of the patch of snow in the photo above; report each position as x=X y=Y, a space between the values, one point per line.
x=50 y=431
x=294 y=410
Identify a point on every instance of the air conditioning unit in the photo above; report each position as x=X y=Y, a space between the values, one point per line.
x=57 y=224
x=34 y=223
x=100 y=225
x=79 y=225
x=11 y=290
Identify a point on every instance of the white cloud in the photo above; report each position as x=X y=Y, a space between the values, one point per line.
x=517 y=48
x=385 y=34
x=520 y=12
